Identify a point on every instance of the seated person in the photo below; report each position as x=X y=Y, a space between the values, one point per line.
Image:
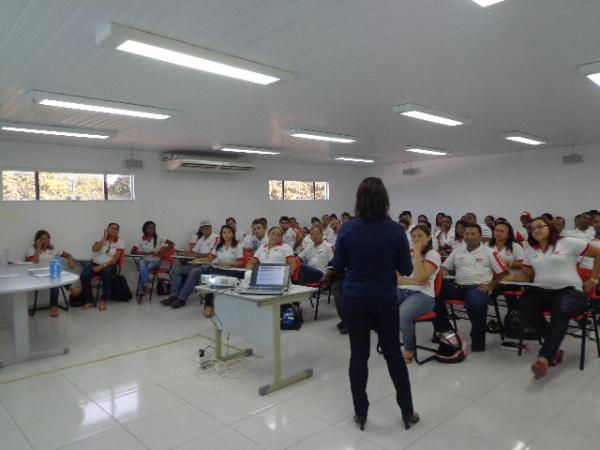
x=486 y=232
x=560 y=224
x=108 y=251
x=477 y=270
x=275 y=252
x=227 y=254
x=257 y=239
x=522 y=233
x=504 y=243
x=587 y=264
x=445 y=235
x=346 y=217
x=307 y=241
x=289 y=235
x=416 y=293
x=239 y=234
x=207 y=240
x=151 y=247
x=333 y=229
x=552 y=261
x=43 y=251
x=583 y=230
x=458 y=240
x=314 y=259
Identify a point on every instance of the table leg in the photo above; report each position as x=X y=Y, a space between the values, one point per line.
x=219 y=348
x=21 y=327
x=279 y=382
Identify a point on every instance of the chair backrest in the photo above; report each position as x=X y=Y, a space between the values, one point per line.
x=584 y=274
x=437 y=283
x=168 y=254
x=247 y=257
x=296 y=273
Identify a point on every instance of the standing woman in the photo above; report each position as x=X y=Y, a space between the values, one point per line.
x=370 y=249
x=107 y=255
x=42 y=252
x=552 y=261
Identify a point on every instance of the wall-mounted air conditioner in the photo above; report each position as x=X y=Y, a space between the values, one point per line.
x=202 y=163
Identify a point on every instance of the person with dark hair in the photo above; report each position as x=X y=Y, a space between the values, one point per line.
x=548 y=216
x=307 y=241
x=416 y=294
x=587 y=264
x=490 y=222
x=486 y=232
x=584 y=229
x=459 y=235
x=477 y=272
x=41 y=252
x=560 y=224
x=552 y=261
x=370 y=296
x=407 y=215
x=258 y=238
x=522 y=232
x=289 y=235
x=274 y=252
x=239 y=234
x=334 y=227
x=346 y=217
x=150 y=246
x=438 y=224
x=314 y=258
x=108 y=251
x=423 y=220
x=325 y=221
x=405 y=224
x=504 y=243
x=445 y=235
x=207 y=240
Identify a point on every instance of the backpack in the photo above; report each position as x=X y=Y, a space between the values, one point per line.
x=452 y=348
x=163 y=287
x=291 y=317
x=515 y=324
x=119 y=290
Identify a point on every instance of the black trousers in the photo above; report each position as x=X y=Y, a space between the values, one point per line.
x=361 y=315
x=563 y=303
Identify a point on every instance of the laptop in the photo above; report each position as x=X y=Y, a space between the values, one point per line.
x=268 y=279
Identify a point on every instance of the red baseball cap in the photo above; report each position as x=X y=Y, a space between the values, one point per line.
x=525 y=213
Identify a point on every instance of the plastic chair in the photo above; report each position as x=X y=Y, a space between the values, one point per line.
x=167 y=258
x=98 y=279
x=428 y=317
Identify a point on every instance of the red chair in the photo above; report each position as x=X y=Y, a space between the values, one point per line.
x=166 y=257
x=428 y=317
x=317 y=295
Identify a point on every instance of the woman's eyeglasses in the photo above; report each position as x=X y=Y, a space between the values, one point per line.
x=538 y=228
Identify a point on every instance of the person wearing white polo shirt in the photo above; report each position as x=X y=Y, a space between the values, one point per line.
x=239 y=234
x=307 y=241
x=522 y=232
x=504 y=243
x=477 y=273
x=587 y=264
x=552 y=262
x=332 y=230
x=486 y=232
x=416 y=294
x=289 y=235
x=314 y=259
x=257 y=239
x=275 y=252
x=584 y=229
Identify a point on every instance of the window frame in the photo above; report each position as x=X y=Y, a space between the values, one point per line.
x=314 y=190
x=36 y=172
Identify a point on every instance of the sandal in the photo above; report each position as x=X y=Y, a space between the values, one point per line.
x=408 y=357
x=102 y=306
x=54 y=311
x=558 y=358
x=88 y=306
x=539 y=368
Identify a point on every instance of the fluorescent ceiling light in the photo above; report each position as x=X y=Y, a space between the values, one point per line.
x=523 y=138
x=427 y=151
x=320 y=136
x=246 y=149
x=592 y=71
x=97 y=105
x=55 y=131
x=349 y=159
x=484 y=3
x=429 y=115
x=180 y=53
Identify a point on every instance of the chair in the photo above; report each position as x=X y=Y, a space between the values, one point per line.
x=317 y=295
x=167 y=258
x=428 y=317
x=98 y=280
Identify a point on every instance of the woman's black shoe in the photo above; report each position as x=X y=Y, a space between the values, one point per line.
x=409 y=421
x=360 y=421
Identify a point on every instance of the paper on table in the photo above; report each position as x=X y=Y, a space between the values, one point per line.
x=23 y=263
x=10 y=275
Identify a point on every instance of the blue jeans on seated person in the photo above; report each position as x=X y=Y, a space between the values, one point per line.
x=144 y=278
x=412 y=304
x=185 y=278
x=309 y=274
x=106 y=275
x=476 y=302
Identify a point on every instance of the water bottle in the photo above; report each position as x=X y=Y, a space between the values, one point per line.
x=55 y=268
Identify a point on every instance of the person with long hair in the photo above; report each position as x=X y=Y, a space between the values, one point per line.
x=458 y=240
x=370 y=249
x=108 y=251
x=551 y=261
x=150 y=247
x=416 y=292
x=423 y=220
x=43 y=251
x=504 y=242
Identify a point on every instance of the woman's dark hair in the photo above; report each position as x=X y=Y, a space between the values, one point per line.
x=221 y=243
x=438 y=216
x=39 y=234
x=426 y=220
x=372 y=200
x=459 y=222
x=425 y=229
x=146 y=225
x=553 y=237
x=550 y=216
x=510 y=240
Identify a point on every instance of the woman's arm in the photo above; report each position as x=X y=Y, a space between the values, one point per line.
x=422 y=270
x=70 y=261
x=592 y=252
x=526 y=274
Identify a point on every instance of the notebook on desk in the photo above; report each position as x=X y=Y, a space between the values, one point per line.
x=268 y=279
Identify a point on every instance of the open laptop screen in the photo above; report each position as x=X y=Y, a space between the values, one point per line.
x=270 y=275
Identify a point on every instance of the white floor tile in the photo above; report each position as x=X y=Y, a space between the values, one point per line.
x=173 y=427
x=590 y=394
x=447 y=439
x=6 y=422
x=115 y=385
x=329 y=402
x=334 y=438
x=223 y=439
x=279 y=427
x=580 y=417
x=143 y=403
x=13 y=440
x=557 y=438
x=87 y=373
x=114 y=439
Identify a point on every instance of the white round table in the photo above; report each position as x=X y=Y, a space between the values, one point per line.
x=17 y=285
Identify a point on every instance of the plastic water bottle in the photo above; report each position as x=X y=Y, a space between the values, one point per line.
x=55 y=268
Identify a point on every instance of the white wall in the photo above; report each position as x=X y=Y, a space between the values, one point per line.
x=501 y=185
x=176 y=201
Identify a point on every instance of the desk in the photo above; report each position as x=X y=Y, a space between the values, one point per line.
x=16 y=285
x=256 y=318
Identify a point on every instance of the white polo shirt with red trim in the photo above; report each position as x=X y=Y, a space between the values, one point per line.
x=508 y=256
x=431 y=257
x=588 y=263
x=317 y=256
x=205 y=245
x=557 y=266
x=277 y=254
x=475 y=267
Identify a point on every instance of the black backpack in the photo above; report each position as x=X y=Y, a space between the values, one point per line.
x=120 y=291
x=291 y=317
x=516 y=325
x=163 y=287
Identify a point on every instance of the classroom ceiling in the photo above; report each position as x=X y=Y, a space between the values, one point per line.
x=511 y=66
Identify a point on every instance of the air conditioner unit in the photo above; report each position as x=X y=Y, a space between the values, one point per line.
x=201 y=163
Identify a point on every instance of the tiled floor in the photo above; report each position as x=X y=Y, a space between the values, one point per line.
x=132 y=381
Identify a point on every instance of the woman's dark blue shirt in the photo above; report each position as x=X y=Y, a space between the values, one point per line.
x=370 y=253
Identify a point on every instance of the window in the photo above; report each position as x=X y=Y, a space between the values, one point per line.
x=65 y=186
x=298 y=190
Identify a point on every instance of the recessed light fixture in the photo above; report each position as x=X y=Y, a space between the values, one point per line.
x=320 y=136
x=97 y=105
x=484 y=3
x=429 y=115
x=56 y=131
x=246 y=149
x=427 y=151
x=523 y=138
x=353 y=159
x=592 y=71
x=167 y=50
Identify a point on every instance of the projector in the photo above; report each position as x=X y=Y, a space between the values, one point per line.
x=219 y=280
